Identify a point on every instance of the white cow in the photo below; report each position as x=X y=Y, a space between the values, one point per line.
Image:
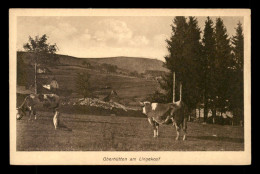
x=170 y=113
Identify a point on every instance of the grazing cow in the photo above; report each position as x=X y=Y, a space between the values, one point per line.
x=170 y=113
x=32 y=101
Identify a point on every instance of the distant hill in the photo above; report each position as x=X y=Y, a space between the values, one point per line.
x=133 y=63
x=140 y=65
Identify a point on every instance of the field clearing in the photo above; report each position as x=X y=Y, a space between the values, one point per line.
x=113 y=133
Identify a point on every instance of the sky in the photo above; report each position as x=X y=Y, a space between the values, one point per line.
x=94 y=37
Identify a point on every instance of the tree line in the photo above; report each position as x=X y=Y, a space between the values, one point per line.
x=209 y=65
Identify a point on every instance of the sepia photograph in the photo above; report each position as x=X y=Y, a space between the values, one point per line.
x=128 y=86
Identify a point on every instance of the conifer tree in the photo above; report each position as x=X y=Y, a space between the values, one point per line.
x=191 y=65
x=173 y=61
x=184 y=49
x=238 y=47
x=208 y=65
x=223 y=64
x=237 y=87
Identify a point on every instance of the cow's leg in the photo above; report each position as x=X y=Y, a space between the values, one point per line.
x=167 y=119
x=157 y=129
x=152 y=123
x=173 y=122
x=34 y=113
x=177 y=130
x=184 y=128
x=30 y=113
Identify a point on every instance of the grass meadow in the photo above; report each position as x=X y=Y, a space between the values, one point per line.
x=116 y=133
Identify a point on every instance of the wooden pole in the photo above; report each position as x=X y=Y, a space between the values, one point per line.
x=35 y=77
x=180 y=91
x=199 y=111
x=173 y=89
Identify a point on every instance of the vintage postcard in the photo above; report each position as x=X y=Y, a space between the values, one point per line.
x=130 y=86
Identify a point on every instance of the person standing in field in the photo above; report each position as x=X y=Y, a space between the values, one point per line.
x=58 y=122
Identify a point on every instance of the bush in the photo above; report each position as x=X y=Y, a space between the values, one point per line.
x=134 y=73
x=109 y=68
x=158 y=97
x=82 y=84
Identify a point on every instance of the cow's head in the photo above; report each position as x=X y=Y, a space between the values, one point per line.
x=145 y=106
x=19 y=113
x=142 y=104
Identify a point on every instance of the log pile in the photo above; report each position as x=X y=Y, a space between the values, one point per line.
x=97 y=103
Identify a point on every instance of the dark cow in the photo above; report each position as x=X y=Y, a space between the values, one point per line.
x=170 y=113
x=32 y=101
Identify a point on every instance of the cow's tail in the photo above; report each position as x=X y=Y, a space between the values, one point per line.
x=186 y=112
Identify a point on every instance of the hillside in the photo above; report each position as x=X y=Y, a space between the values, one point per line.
x=128 y=63
x=130 y=89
